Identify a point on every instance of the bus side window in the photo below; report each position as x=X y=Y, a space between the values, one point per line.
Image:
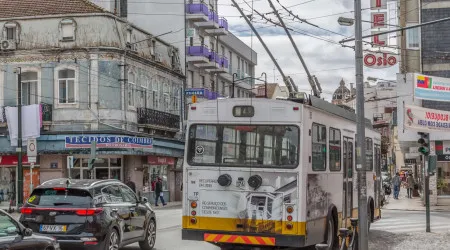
x=319 y=147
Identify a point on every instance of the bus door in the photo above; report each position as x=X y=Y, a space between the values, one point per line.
x=348 y=152
x=377 y=182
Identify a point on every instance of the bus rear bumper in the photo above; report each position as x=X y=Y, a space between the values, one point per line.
x=243 y=238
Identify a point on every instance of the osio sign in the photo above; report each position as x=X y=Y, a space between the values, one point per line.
x=380 y=60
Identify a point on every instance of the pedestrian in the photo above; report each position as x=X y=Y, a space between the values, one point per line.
x=396 y=182
x=410 y=185
x=131 y=184
x=159 y=192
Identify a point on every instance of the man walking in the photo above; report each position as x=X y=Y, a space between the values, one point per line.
x=396 y=182
x=131 y=184
x=159 y=192
x=410 y=185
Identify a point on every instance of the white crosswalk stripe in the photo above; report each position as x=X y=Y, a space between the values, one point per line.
x=416 y=224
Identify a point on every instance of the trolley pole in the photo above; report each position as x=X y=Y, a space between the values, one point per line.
x=363 y=243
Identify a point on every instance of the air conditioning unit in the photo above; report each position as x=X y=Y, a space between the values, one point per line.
x=8 y=45
x=158 y=57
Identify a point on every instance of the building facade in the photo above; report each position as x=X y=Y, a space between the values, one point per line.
x=273 y=91
x=97 y=78
x=215 y=57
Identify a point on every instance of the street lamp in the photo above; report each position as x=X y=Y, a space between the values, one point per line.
x=19 y=193
x=361 y=126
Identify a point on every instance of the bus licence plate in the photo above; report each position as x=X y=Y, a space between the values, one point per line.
x=53 y=228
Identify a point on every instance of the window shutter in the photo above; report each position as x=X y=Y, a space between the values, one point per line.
x=123 y=8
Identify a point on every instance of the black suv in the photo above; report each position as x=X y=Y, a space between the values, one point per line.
x=90 y=214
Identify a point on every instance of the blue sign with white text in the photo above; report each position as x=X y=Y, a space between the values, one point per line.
x=199 y=92
x=84 y=141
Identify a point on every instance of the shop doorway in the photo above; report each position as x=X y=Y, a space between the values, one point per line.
x=104 y=168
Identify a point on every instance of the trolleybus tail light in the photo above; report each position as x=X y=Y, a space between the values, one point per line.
x=289 y=226
x=193 y=108
x=193 y=220
x=194 y=204
x=193 y=213
x=290 y=209
x=289 y=218
x=296 y=108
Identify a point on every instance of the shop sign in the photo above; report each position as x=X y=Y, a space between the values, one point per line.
x=379 y=40
x=108 y=142
x=380 y=60
x=443 y=157
x=11 y=160
x=426 y=119
x=378 y=20
x=199 y=92
x=378 y=4
x=160 y=160
x=431 y=88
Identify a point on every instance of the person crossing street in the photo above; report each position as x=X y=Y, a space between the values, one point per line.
x=396 y=182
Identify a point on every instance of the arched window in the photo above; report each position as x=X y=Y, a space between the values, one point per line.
x=66 y=85
x=131 y=89
x=29 y=87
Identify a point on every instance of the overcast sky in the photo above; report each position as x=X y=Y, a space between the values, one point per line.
x=323 y=55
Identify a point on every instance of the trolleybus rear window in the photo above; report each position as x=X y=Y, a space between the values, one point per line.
x=241 y=145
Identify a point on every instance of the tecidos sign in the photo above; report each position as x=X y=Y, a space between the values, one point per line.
x=380 y=60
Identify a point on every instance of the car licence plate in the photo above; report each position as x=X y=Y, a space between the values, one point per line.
x=53 y=228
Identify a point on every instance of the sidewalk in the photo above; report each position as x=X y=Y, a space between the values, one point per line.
x=170 y=205
x=406 y=204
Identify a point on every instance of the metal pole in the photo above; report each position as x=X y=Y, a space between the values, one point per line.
x=265 y=83
x=288 y=84
x=19 y=140
x=363 y=243
x=310 y=78
x=427 y=192
x=232 y=86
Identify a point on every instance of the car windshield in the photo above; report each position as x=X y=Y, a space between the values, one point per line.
x=8 y=227
x=54 y=197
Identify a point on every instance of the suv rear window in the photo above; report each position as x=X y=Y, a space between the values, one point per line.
x=53 y=197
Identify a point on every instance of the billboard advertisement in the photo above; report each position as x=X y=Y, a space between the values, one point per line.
x=431 y=88
x=424 y=119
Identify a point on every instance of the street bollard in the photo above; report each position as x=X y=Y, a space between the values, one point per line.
x=321 y=246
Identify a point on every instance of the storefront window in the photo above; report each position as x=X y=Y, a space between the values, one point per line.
x=105 y=168
x=153 y=172
x=443 y=178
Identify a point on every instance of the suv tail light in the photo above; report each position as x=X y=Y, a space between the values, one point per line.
x=26 y=210
x=88 y=212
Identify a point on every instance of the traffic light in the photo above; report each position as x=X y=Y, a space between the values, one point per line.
x=424 y=142
x=91 y=162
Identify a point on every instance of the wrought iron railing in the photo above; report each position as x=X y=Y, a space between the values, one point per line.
x=158 y=118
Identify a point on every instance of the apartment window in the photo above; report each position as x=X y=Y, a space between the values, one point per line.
x=242 y=67
x=131 y=88
x=412 y=37
x=166 y=95
x=239 y=65
x=153 y=48
x=155 y=93
x=29 y=88
x=223 y=88
x=67 y=30
x=246 y=68
x=223 y=50
x=10 y=31
x=230 y=63
x=177 y=99
x=66 y=85
x=129 y=30
x=203 y=81
x=149 y=94
x=141 y=92
x=319 y=147
x=202 y=40
x=190 y=79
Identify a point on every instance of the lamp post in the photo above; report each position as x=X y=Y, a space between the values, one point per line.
x=360 y=130
x=265 y=83
x=19 y=190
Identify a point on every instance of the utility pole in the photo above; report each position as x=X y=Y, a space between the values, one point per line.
x=310 y=77
x=286 y=81
x=424 y=149
x=363 y=243
x=19 y=191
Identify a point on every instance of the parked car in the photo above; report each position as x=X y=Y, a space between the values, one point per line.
x=14 y=235
x=90 y=214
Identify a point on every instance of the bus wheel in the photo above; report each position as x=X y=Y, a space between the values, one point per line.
x=330 y=235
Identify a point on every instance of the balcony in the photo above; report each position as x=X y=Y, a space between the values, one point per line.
x=197 y=12
x=221 y=31
x=197 y=54
x=212 y=23
x=213 y=63
x=157 y=119
x=223 y=66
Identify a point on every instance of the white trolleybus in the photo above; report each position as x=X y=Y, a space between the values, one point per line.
x=274 y=174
